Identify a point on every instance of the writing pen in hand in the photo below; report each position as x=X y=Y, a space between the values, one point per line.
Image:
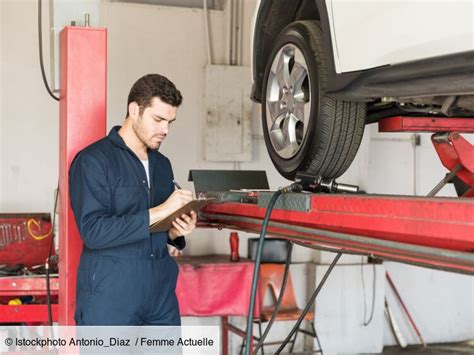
x=177 y=185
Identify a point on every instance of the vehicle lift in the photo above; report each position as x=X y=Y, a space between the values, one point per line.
x=426 y=231
x=436 y=232
x=430 y=231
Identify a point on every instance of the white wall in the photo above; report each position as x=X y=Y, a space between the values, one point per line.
x=396 y=166
x=344 y=319
x=441 y=303
x=2 y=68
x=29 y=118
x=143 y=39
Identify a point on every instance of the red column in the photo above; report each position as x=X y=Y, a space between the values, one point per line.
x=82 y=115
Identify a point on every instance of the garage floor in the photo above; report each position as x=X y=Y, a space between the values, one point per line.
x=463 y=348
x=454 y=348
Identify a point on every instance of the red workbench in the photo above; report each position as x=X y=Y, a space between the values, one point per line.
x=212 y=285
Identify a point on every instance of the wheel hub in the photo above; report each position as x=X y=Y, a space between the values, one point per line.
x=287 y=100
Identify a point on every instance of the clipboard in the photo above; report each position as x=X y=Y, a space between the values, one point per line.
x=166 y=223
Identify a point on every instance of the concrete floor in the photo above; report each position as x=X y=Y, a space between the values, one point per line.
x=454 y=348
x=463 y=348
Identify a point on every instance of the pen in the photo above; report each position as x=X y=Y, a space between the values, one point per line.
x=177 y=185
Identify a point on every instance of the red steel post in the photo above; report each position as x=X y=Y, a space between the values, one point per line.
x=82 y=113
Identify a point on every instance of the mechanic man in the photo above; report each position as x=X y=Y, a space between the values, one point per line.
x=119 y=186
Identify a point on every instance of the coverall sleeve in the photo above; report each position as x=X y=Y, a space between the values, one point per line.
x=91 y=202
x=179 y=242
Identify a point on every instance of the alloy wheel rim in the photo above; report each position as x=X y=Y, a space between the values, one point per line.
x=288 y=101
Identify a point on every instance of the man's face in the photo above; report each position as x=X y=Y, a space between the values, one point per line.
x=152 y=126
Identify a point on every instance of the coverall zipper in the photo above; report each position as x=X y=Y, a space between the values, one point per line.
x=149 y=190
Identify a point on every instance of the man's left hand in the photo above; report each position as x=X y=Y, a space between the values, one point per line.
x=183 y=226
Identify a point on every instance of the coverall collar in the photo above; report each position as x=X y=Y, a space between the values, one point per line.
x=114 y=136
x=116 y=139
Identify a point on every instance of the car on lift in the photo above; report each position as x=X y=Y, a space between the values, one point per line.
x=322 y=70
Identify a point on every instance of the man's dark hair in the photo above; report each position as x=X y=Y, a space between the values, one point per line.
x=150 y=86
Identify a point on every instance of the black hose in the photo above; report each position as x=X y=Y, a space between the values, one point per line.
x=280 y=299
x=48 y=259
x=367 y=322
x=48 y=294
x=40 y=38
x=256 y=270
x=309 y=304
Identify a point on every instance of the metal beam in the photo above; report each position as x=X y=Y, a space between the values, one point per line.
x=426 y=124
x=82 y=110
x=433 y=232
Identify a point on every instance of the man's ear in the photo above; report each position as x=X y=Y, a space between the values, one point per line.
x=133 y=110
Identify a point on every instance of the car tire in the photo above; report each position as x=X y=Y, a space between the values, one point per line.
x=304 y=129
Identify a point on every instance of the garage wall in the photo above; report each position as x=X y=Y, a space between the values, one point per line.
x=29 y=118
x=2 y=40
x=441 y=303
x=171 y=41
x=397 y=166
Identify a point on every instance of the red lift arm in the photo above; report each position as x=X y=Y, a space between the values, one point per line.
x=432 y=232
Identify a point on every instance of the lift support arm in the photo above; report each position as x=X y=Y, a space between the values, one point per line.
x=431 y=232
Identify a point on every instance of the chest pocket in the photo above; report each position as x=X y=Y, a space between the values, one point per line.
x=161 y=192
x=130 y=199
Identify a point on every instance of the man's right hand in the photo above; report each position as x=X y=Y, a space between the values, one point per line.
x=177 y=199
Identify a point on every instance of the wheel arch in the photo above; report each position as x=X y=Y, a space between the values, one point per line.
x=273 y=16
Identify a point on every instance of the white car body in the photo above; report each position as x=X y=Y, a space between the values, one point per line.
x=368 y=34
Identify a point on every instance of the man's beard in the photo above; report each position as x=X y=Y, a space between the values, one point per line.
x=141 y=134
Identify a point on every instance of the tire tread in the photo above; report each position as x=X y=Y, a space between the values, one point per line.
x=341 y=122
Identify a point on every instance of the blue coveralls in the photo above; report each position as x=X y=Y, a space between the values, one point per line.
x=125 y=275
